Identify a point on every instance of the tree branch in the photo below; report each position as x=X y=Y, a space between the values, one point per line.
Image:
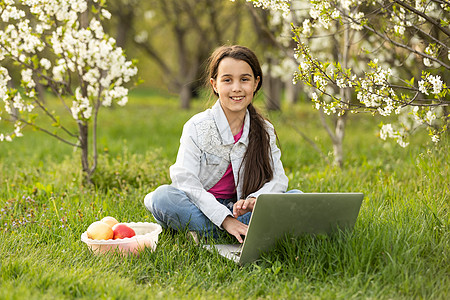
x=150 y=50
x=325 y=125
x=53 y=118
x=272 y=38
x=423 y=15
x=387 y=38
x=36 y=100
x=48 y=132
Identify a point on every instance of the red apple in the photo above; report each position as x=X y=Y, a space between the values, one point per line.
x=122 y=231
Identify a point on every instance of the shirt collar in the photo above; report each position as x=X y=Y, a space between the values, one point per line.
x=224 y=127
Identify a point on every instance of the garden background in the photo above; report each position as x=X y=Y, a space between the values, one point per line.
x=399 y=248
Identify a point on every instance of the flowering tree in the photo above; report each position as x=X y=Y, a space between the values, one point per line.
x=393 y=59
x=61 y=45
x=189 y=29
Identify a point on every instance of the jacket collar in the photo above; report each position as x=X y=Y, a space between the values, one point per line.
x=224 y=127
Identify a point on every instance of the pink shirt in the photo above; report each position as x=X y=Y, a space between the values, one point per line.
x=225 y=188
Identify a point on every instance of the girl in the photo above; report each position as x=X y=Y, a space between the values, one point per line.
x=227 y=156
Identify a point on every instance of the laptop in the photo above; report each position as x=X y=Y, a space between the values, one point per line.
x=275 y=215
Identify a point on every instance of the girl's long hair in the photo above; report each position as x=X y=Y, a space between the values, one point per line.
x=257 y=161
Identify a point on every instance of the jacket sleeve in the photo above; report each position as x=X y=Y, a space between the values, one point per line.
x=185 y=176
x=279 y=182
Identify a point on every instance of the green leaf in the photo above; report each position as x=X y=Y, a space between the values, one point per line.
x=57 y=123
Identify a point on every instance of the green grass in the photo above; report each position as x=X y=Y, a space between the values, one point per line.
x=399 y=249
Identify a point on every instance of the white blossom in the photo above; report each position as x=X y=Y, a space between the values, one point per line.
x=97 y=28
x=27 y=78
x=45 y=63
x=340 y=83
x=18 y=102
x=419 y=5
x=321 y=82
x=141 y=37
x=107 y=100
x=306 y=27
x=345 y=4
x=11 y=12
x=106 y=14
x=275 y=5
x=375 y=87
x=335 y=14
x=71 y=51
x=422 y=87
x=387 y=131
x=427 y=62
x=436 y=82
x=430 y=83
x=92 y=76
x=5 y=137
x=399 y=29
x=17 y=129
x=358 y=18
x=149 y=14
x=58 y=72
x=123 y=101
x=430 y=117
x=81 y=105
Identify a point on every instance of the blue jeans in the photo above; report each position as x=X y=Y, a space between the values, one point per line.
x=172 y=208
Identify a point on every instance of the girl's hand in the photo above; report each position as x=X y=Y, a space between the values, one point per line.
x=243 y=206
x=235 y=227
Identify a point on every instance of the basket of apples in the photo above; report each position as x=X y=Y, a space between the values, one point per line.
x=110 y=235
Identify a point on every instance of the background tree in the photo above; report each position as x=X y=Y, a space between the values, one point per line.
x=328 y=43
x=336 y=43
x=62 y=46
x=269 y=31
x=406 y=63
x=178 y=36
x=399 y=61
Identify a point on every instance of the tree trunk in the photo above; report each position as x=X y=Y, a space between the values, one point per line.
x=273 y=93
x=272 y=87
x=185 y=96
x=124 y=27
x=185 y=69
x=83 y=131
x=339 y=131
x=292 y=92
x=338 y=149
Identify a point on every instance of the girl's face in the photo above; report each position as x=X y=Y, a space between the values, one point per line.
x=235 y=84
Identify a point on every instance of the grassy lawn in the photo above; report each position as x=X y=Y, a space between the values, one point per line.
x=399 y=249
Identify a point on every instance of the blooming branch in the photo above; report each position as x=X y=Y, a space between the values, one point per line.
x=381 y=87
x=74 y=59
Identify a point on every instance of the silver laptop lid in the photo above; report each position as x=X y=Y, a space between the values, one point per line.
x=275 y=215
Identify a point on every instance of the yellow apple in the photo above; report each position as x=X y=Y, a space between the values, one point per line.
x=110 y=221
x=100 y=231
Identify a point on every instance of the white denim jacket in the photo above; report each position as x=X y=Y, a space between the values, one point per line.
x=206 y=149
